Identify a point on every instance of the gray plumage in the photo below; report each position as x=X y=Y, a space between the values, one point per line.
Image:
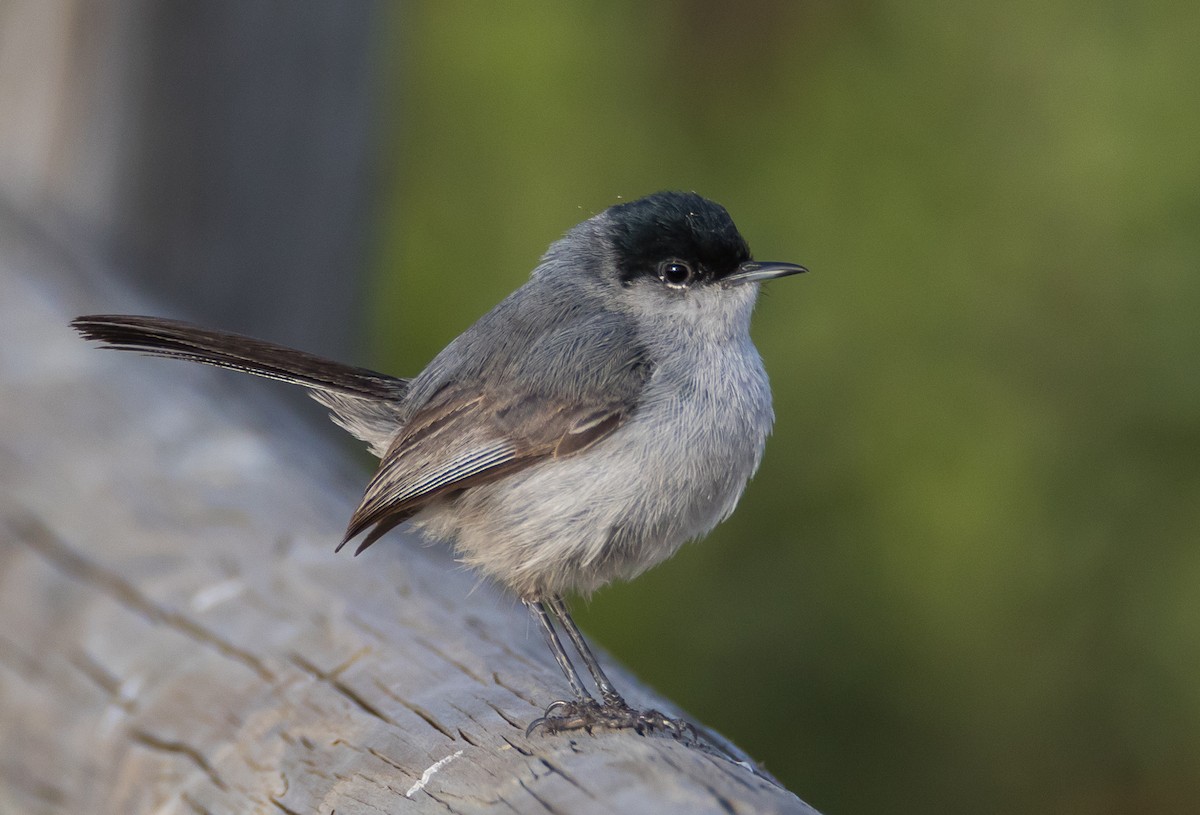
x=675 y=383
x=601 y=415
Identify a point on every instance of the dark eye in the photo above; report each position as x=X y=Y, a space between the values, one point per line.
x=675 y=273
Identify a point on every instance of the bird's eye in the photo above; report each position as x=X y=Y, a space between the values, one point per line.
x=675 y=273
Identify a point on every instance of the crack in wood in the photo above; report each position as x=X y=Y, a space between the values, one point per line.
x=545 y=804
x=154 y=742
x=570 y=779
x=470 y=738
x=480 y=629
x=59 y=553
x=525 y=751
x=100 y=676
x=723 y=802
x=505 y=716
x=341 y=687
x=429 y=718
x=507 y=803
x=366 y=804
x=424 y=643
x=358 y=622
x=36 y=788
x=355 y=657
x=444 y=803
x=194 y=805
x=391 y=762
x=279 y=805
x=496 y=678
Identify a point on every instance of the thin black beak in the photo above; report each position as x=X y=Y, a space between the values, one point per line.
x=753 y=271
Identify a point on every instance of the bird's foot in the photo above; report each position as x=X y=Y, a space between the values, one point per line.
x=613 y=714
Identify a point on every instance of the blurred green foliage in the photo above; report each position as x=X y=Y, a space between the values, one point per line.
x=967 y=576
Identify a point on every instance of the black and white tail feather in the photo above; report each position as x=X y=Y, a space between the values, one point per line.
x=364 y=402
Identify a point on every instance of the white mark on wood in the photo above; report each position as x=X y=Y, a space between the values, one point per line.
x=113 y=718
x=127 y=691
x=428 y=774
x=217 y=593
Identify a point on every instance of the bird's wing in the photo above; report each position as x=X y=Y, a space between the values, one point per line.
x=466 y=436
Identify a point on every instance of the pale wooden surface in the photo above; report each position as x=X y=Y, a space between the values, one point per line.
x=177 y=635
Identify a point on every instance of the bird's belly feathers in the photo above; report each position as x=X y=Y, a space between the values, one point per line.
x=628 y=502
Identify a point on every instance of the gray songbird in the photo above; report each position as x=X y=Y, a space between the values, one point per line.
x=580 y=432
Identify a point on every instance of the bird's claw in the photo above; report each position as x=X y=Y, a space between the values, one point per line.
x=563 y=716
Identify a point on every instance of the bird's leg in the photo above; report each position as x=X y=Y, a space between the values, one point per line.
x=615 y=713
x=561 y=714
x=607 y=692
x=560 y=655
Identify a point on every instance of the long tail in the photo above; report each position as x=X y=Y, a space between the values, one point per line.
x=365 y=402
x=173 y=338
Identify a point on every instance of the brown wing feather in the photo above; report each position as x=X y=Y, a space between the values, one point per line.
x=465 y=438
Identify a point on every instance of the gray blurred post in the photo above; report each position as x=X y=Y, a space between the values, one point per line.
x=219 y=152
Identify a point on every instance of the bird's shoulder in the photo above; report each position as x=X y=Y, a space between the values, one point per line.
x=542 y=342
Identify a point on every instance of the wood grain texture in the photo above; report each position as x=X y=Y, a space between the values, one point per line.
x=177 y=635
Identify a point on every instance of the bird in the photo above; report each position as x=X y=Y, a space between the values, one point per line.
x=607 y=411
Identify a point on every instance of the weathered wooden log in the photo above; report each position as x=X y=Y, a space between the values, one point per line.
x=177 y=635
